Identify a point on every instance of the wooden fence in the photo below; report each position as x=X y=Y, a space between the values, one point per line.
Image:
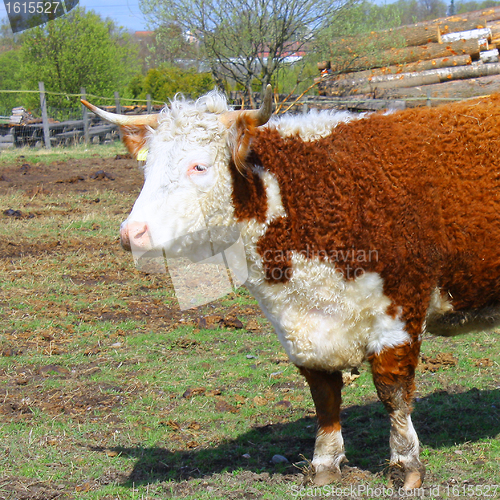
x=25 y=130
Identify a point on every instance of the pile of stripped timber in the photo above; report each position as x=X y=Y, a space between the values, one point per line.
x=452 y=57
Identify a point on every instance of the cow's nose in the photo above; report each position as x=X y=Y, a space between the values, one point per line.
x=135 y=235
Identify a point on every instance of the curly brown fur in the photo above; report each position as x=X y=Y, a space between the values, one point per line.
x=419 y=187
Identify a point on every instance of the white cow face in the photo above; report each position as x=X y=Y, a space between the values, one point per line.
x=186 y=191
x=185 y=207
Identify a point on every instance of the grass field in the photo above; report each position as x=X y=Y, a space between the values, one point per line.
x=109 y=391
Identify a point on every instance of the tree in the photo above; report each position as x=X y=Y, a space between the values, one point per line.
x=246 y=40
x=414 y=11
x=11 y=75
x=11 y=78
x=171 y=46
x=8 y=40
x=461 y=7
x=166 y=45
x=431 y=9
x=350 y=38
x=79 y=50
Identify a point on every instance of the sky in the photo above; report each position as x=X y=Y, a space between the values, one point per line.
x=124 y=12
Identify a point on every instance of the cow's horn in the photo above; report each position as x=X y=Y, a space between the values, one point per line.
x=261 y=116
x=123 y=120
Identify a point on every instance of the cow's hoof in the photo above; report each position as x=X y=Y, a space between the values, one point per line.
x=407 y=480
x=323 y=475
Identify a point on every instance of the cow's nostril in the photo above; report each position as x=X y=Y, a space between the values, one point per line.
x=134 y=234
x=137 y=234
x=141 y=234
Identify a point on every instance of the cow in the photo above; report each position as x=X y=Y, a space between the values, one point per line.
x=361 y=234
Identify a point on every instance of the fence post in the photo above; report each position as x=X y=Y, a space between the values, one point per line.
x=148 y=103
x=45 y=120
x=85 y=113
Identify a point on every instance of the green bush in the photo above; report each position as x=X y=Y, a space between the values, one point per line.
x=11 y=78
x=164 y=82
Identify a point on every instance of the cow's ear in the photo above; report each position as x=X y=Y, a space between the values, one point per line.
x=242 y=126
x=134 y=128
x=241 y=135
x=134 y=138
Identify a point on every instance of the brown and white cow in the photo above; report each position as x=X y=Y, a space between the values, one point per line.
x=361 y=234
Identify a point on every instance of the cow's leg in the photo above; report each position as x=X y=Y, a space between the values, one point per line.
x=329 y=447
x=393 y=374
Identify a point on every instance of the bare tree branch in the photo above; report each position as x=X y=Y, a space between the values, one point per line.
x=246 y=41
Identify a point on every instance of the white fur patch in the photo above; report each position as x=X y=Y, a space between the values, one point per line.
x=313 y=125
x=172 y=203
x=275 y=206
x=405 y=447
x=328 y=450
x=439 y=304
x=324 y=321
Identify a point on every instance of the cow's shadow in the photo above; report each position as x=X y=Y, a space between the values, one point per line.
x=441 y=420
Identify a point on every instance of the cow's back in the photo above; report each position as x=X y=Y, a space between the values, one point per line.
x=419 y=189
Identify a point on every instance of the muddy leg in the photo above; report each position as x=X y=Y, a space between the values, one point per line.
x=329 y=447
x=393 y=374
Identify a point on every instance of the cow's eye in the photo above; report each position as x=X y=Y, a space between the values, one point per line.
x=202 y=175
x=197 y=168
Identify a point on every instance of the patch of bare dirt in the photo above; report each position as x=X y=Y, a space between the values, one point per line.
x=19 y=488
x=11 y=249
x=120 y=174
x=21 y=395
x=483 y=362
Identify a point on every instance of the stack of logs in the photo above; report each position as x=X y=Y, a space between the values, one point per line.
x=453 y=57
x=20 y=116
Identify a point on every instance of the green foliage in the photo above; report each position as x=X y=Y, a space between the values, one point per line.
x=169 y=45
x=11 y=77
x=8 y=40
x=166 y=81
x=365 y=17
x=413 y=11
x=463 y=7
x=349 y=37
x=79 y=50
x=295 y=78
